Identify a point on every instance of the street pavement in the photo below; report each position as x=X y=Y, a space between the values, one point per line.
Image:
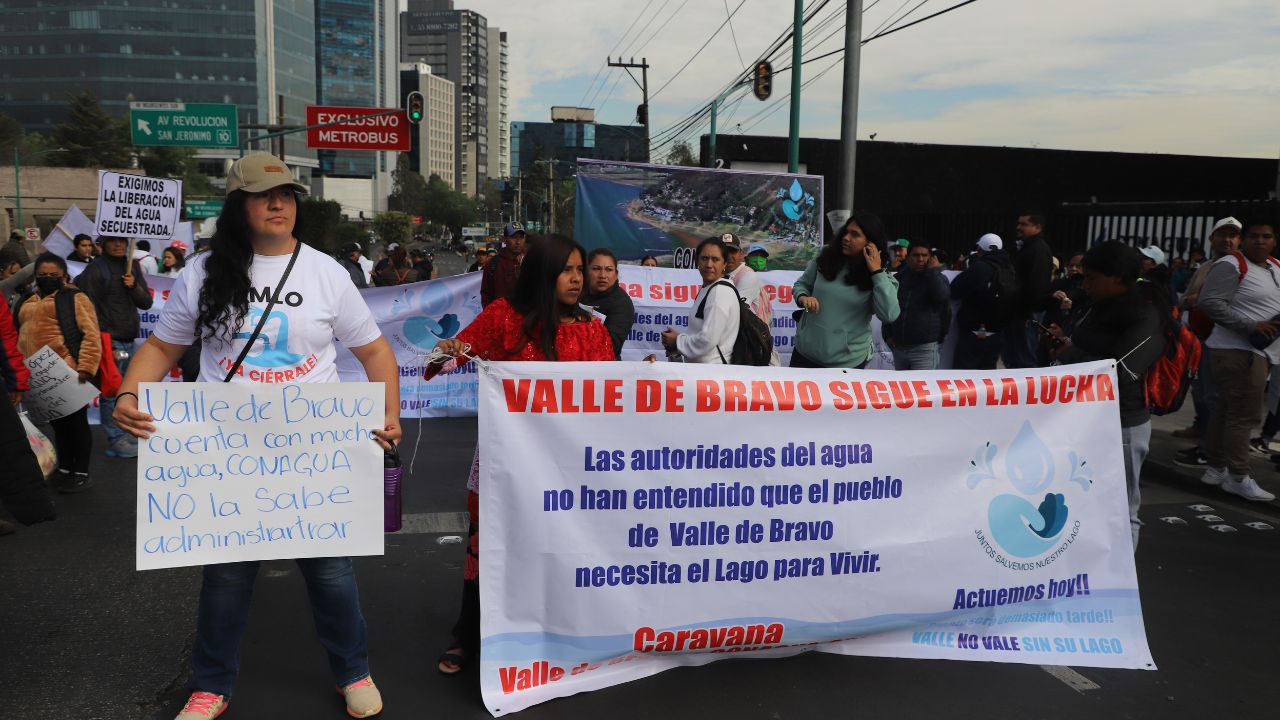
x=86 y=636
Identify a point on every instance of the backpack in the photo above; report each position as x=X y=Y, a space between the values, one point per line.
x=754 y=344
x=1198 y=321
x=108 y=377
x=1169 y=378
x=1000 y=305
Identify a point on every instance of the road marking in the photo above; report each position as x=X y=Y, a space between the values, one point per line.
x=434 y=523
x=1071 y=678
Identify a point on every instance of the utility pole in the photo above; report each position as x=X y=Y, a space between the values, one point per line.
x=797 y=48
x=849 y=110
x=643 y=84
x=551 y=196
x=519 y=195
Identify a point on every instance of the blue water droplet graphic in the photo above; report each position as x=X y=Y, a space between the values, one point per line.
x=797 y=192
x=1029 y=463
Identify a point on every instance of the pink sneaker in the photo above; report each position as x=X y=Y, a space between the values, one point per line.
x=203 y=706
x=363 y=698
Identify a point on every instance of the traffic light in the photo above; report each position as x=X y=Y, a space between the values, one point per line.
x=415 y=106
x=642 y=114
x=763 y=85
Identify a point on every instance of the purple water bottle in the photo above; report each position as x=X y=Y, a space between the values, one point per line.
x=392 y=474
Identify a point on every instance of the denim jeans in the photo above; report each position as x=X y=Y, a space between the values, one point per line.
x=916 y=357
x=1021 y=341
x=224 y=612
x=1136 y=443
x=975 y=353
x=1203 y=393
x=108 y=405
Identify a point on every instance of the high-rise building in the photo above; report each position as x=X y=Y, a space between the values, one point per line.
x=573 y=133
x=434 y=149
x=456 y=44
x=258 y=54
x=499 y=124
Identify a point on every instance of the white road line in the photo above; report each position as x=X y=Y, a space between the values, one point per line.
x=433 y=523
x=1071 y=678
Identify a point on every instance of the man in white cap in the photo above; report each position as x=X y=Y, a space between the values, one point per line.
x=988 y=295
x=1224 y=239
x=1151 y=257
x=749 y=285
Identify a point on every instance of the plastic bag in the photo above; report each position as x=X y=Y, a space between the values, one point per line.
x=41 y=446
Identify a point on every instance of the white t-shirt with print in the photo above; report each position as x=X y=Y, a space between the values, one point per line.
x=319 y=305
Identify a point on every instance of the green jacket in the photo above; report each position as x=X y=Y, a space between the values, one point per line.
x=839 y=334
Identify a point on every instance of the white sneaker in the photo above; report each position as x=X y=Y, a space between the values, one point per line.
x=1214 y=476
x=1247 y=488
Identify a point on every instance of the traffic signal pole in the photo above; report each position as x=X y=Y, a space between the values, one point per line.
x=849 y=108
x=797 y=48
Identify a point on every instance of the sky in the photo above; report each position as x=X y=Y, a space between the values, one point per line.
x=1124 y=75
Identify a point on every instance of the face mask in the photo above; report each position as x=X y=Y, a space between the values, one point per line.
x=757 y=263
x=47 y=285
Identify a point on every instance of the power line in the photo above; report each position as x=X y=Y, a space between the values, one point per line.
x=734 y=34
x=662 y=27
x=699 y=52
x=926 y=17
x=615 y=47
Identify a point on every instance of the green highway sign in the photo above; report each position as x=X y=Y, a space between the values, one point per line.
x=201 y=209
x=184 y=124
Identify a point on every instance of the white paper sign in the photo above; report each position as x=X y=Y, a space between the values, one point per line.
x=56 y=390
x=136 y=206
x=635 y=518
x=238 y=471
x=61 y=240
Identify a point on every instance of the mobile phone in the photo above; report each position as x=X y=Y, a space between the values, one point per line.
x=1046 y=332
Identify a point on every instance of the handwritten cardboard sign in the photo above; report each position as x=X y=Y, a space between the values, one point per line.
x=239 y=471
x=56 y=390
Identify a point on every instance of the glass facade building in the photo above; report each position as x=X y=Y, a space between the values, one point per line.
x=213 y=51
x=351 y=47
x=532 y=142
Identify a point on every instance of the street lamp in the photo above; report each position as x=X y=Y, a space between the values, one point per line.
x=17 y=179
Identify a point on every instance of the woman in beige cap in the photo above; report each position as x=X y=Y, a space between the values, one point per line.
x=220 y=299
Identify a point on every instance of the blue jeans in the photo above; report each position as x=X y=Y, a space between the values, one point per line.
x=224 y=612
x=108 y=405
x=1203 y=393
x=1021 y=342
x=916 y=357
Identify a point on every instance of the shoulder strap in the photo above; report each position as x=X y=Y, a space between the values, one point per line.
x=703 y=305
x=262 y=321
x=1244 y=264
x=64 y=304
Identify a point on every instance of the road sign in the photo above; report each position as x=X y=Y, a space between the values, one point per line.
x=385 y=132
x=184 y=124
x=201 y=209
x=33 y=234
x=479 y=231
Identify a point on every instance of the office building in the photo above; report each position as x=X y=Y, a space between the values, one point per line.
x=456 y=44
x=258 y=54
x=434 y=149
x=499 y=123
x=573 y=133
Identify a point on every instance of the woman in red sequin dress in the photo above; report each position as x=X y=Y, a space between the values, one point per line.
x=517 y=328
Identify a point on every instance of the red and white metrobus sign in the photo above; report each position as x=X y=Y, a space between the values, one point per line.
x=385 y=132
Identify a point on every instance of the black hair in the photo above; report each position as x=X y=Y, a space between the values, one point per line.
x=143 y=245
x=648 y=257
x=1115 y=259
x=1260 y=221
x=832 y=259
x=179 y=257
x=714 y=242
x=80 y=236
x=224 y=296
x=1036 y=217
x=919 y=244
x=48 y=257
x=602 y=251
x=534 y=295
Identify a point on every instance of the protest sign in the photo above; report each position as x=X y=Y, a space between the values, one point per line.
x=669 y=514
x=237 y=471
x=55 y=390
x=135 y=206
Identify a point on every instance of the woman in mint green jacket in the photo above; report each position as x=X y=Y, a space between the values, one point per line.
x=839 y=291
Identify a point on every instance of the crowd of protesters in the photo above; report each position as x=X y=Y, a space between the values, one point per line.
x=548 y=298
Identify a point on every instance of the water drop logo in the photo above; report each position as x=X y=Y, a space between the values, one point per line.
x=1029 y=522
x=269 y=353
x=797 y=201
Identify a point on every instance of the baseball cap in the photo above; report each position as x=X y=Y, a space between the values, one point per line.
x=260 y=172
x=350 y=248
x=1153 y=252
x=903 y=242
x=989 y=242
x=757 y=248
x=731 y=240
x=514 y=228
x=1226 y=222
x=393 y=246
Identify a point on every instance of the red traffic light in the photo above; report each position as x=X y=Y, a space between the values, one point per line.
x=762 y=84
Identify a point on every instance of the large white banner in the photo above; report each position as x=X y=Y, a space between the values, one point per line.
x=237 y=471
x=639 y=517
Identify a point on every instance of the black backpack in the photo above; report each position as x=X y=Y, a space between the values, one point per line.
x=64 y=304
x=754 y=344
x=1001 y=302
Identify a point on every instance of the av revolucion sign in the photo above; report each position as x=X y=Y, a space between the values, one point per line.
x=183 y=124
x=388 y=132
x=137 y=206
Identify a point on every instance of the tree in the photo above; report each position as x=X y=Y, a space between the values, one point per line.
x=349 y=232
x=91 y=137
x=320 y=220
x=448 y=207
x=28 y=145
x=408 y=190
x=391 y=227
x=681 y=154
x=176 y=162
